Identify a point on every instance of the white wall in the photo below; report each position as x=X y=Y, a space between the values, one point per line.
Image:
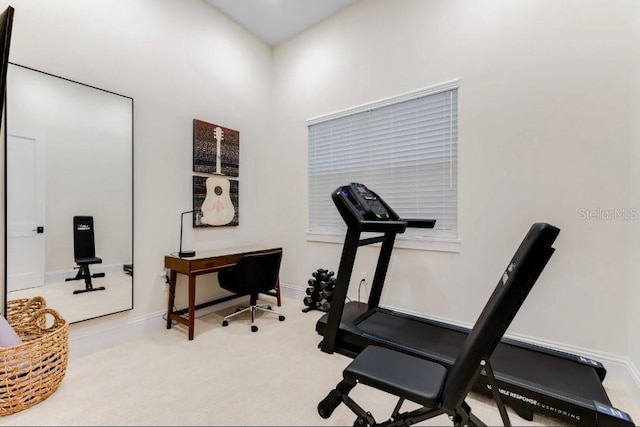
x=179 y=60
x=634 y=247
x=543 y=132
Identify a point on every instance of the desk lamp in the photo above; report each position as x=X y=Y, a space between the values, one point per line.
x=181 y=253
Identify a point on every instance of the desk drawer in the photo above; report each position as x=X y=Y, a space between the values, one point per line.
x=209 y=263
x=212 y=264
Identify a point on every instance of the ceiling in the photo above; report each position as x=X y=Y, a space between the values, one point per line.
x=276 y=21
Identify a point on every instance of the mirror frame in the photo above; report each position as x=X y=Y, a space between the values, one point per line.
x=5 y=125
x=6 y=29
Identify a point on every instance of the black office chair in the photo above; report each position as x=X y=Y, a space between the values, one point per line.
x=252 y=275
x=430 y=384
x=84 y=253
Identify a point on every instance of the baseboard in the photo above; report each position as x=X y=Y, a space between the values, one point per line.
x=86 y=338
x=106 y=332
x=635 y=374
x=634 y=380
x=291 y=291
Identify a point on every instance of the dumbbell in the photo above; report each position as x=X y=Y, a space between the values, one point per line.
x=307 y=301
x=310 y=291
x=326 y=276
x=326 y=284
x=319 y=272
x=325 y=305
x=326 y=295
x=331 y=283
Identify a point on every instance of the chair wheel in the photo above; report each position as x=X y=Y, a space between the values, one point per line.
x=281 y=318
x=254 y=328
x=225 y=323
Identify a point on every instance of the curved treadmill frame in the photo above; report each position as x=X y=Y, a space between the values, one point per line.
x=532 y=379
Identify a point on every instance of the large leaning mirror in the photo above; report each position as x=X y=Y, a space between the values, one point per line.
x=69 y=195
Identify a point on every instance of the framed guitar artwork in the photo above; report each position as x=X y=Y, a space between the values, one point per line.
x=215 y=200
x=216 y=149
x=216 y=152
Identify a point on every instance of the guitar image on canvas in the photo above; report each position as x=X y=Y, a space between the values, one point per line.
x=219 y=135
x=217 y=208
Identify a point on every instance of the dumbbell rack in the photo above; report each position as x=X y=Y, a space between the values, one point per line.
x=320 y=291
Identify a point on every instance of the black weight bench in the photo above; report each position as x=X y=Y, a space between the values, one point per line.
x=84 y=253
x=438 y=389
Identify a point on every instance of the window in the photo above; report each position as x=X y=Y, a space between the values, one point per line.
x=404 y=148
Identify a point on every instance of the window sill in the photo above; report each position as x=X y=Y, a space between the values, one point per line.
x=402 y=242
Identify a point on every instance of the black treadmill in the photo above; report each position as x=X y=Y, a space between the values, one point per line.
x=532 y=379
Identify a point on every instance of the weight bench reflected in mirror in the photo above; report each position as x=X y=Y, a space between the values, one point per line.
x=441 y=390
x=84 y=253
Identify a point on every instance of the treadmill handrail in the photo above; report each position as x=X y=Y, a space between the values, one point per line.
x=419 y=223
x=383 y=226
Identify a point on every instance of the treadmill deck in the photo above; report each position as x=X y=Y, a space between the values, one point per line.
x=536 y=369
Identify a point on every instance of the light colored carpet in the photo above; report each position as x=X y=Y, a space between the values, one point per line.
x=226 y=376
x=77 y=307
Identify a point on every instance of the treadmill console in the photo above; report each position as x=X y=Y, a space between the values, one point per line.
x=366 y=203
x=363 y=209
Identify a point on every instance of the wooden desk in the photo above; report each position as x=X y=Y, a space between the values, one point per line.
x=205 y=262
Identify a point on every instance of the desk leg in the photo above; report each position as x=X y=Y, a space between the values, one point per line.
x=192 y=304
x=278 y=292
x=172 y=296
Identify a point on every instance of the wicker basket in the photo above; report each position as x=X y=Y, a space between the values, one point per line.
x=21 y=311
x=31 y=372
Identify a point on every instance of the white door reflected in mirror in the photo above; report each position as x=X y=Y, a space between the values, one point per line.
x=25 y=212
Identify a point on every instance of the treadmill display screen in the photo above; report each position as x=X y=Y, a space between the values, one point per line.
x=366 y=202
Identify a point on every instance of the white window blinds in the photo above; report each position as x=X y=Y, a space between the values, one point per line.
x=404 y=148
